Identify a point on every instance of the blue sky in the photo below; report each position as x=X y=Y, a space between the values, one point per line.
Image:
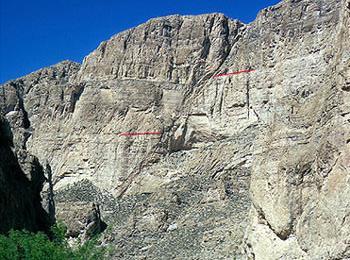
x=39 y=33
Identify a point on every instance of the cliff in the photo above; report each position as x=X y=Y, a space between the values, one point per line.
x=253 y=165
x=20 y=201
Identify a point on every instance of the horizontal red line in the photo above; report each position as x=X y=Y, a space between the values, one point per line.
x=142 y=133
x=232 y=73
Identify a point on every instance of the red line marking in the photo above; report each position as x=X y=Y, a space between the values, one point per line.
x=232 y=73
x=142 y=133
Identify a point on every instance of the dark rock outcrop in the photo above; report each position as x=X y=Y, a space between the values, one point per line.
x=20 y=201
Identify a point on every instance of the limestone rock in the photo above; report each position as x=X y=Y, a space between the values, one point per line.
x=253 y=165
x=20 y=206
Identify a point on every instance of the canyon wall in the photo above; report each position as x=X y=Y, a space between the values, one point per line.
x=253 y=165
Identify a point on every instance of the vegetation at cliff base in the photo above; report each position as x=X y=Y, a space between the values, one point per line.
x=37 y=246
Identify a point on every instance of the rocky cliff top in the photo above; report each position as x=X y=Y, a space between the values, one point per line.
x=174 y=48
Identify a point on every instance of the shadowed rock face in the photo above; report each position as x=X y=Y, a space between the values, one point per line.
x=265 y=153
x=20 y=202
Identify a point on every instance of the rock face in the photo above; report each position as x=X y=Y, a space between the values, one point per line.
x=20 y=206
x=300 y=184
x=253 y=165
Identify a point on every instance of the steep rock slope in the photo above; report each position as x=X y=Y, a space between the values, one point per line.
x=184 y=193
x=300 y=175
x=20 y=206
x=121 y=165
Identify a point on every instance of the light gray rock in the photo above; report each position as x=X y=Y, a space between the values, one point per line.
x=253 y=165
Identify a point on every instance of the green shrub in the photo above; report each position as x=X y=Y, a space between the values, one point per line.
x=37 y=246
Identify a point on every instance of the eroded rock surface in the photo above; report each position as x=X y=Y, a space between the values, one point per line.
x=265 y=153
x=20 y=201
